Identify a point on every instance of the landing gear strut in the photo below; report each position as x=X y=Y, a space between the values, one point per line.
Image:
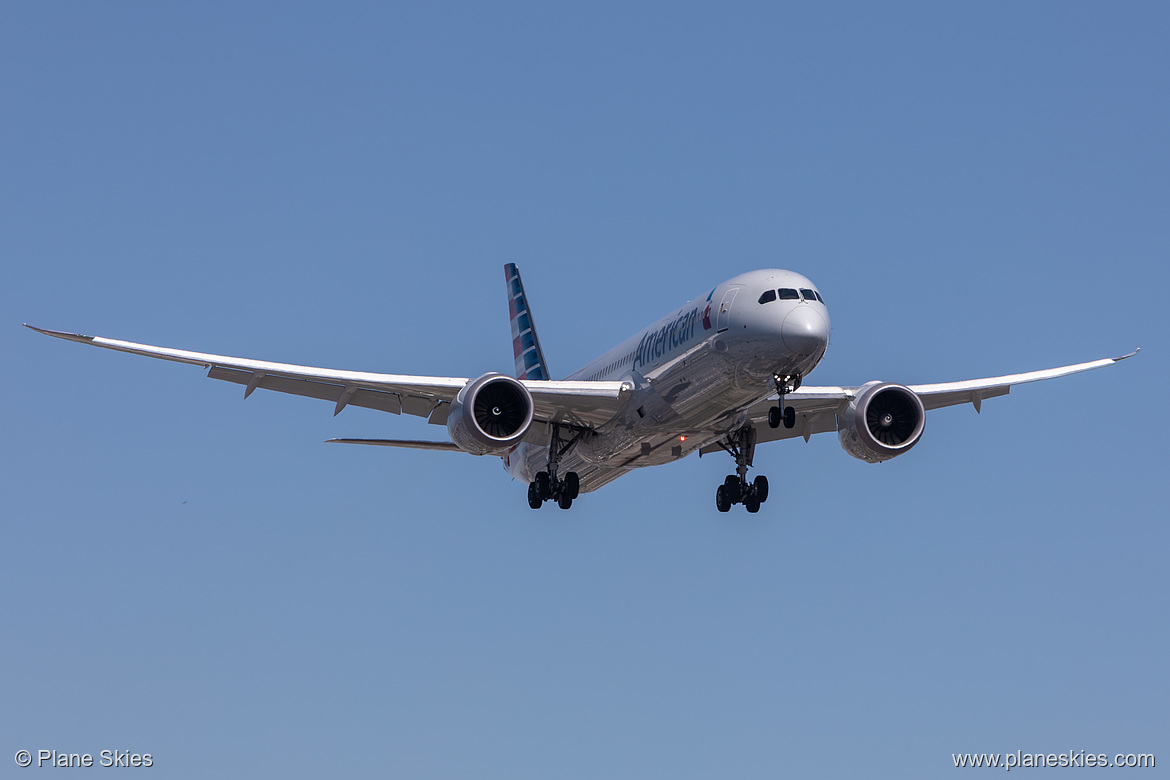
x=547 y=486
x=781 y=413
x=736 y=489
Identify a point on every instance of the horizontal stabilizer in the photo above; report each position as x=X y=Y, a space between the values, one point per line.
x=410 y=444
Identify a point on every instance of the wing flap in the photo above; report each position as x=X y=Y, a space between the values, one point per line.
x=807 y=423
x=816 y=412
x=370 y=399
x=940 y=399
x=583 y=404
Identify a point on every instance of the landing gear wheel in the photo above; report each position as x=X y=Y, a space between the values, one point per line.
x=731 y=488
x=761 y=488
x=542 y=485
x=790 y=417
x=741 y=445
x=571 y=485
x=534 y=499
x=774 y=417
x=565 y=501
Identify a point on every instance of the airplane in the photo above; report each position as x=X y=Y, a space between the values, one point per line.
x=724 y=372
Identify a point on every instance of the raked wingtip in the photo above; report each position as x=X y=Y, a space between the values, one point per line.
x=59 y=334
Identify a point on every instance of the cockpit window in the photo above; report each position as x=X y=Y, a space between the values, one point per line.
x=819 y=298
x=809 y=295
x=768 y=296
x=788 y=294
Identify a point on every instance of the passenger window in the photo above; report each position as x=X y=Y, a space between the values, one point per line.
x=788 y=294
x=809 y=295
x=768 y=296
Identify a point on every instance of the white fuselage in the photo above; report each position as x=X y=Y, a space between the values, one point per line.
x=695 y=373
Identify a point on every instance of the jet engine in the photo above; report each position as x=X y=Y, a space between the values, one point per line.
x=490 y=414
x=882 y=422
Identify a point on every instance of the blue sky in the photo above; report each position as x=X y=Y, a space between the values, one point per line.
x=977 y=190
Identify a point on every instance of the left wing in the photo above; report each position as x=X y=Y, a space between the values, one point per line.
x=574 y=403
x=817 y=407
x=974 y=391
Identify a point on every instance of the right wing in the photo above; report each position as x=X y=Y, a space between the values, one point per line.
x=817 y=407
x=973 y=391
x=577 y=403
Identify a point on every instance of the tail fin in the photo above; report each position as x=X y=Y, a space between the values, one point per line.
x=525 y=345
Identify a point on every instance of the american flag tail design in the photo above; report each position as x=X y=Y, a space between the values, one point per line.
x=525 y=345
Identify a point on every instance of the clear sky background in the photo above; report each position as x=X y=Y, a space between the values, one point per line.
x=977 y=189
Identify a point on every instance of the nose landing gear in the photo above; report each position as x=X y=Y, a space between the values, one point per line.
x=775 y=417
x=781 y=413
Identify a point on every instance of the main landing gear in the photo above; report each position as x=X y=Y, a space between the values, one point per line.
x=781 y=413
x=736 y=489
x=544 y=488
x=547 y=486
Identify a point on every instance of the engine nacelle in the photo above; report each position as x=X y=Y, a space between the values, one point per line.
x=490 y=414
x=882 y=422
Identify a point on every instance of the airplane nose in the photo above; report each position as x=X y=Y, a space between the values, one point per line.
x=805 y=330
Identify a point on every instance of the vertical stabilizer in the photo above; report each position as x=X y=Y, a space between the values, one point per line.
x=525 y=345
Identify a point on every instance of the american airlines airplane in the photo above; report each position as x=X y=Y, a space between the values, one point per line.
x=723 y=372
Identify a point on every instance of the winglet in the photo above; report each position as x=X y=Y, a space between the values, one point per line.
x=525 y=344
x=60 y=334
x=1131 y=354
